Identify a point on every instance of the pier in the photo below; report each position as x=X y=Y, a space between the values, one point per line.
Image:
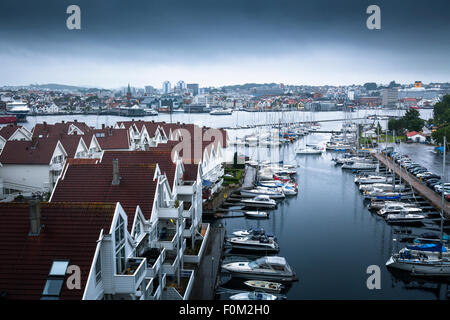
x=434 y=198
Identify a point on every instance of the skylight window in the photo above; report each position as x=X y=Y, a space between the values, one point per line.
x=55 y=280
x=59 y=268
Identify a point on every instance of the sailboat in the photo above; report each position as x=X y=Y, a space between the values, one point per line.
x=421 y=262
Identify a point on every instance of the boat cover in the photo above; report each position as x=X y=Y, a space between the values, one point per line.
x=429 y=247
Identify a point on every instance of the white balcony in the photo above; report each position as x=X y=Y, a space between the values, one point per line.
x=188 y=274
x=187 y=188
x=171 y=212
x=196 y=258
x=188 y=232
x=157 y=292
x=188 y=210
x=171 y=265
x=168 y=241
x=148 y=289
x=129 y=283
x=154 y=261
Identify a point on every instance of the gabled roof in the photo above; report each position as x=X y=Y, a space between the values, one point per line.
x=110 y=138
x=54 y=130
x=37 y=151
x=93 y=182
x=70 y=143
x=153 y=156
x=7 y=131
x=70 y=232
x=413 y=133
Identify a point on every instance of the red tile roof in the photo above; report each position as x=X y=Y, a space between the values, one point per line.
x=56 y=129
x=93 y=182
x=154 y=156
x=70 y=144
x=7 y=131
x=412 y=133
x=110 y=138
x=70 y=232
x=37 y=151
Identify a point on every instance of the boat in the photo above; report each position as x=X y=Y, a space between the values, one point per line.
x=382 y=186
x=253 y=296
x=261 y=201
x=8 y=119
x=308 y=150
x=394 y=208
x=254 y=243
x=264 y=285
x=151 y=112
x=256 y=214
x=372 y=179
x=289 y=191
x=380 y=204
x=221 y=112
x=252 y=232
x=273 y=193
x=404 y=217
x=19 y=109
x=266 y=268
x=360 y=166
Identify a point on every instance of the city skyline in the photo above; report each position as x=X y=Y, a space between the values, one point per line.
x=217 y=44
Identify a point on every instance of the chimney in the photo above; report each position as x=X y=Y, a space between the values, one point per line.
x=116 y=178
x=103 y=126
x=146 y=147
x=110 y=131
x=35 y=217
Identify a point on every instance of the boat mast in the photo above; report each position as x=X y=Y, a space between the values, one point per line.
x=442 y=201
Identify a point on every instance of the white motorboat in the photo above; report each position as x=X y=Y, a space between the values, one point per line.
x=289 y=191
x=151 y=112
x=308 y=150
x=260 y=202
x=382 y=186
x=372 y=179
x=267 y=268
x=404 y=218
x=252 y=232
x=221 y=112
x=394 y=208
x=360 y=166
x=255 y=243
x=380 y=204
x=256 y=214
x=273 y=193
x=253 y=296
x=264 y=285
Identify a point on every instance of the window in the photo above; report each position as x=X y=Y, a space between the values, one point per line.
x=98 y=269
x=55 y=280
x=120 y=245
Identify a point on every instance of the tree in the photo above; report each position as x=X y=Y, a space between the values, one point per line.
x=412 y=120
x=438 y=135
x=441 y=112
x=370 y=86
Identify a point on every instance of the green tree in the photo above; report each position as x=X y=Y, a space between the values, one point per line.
x=438 y=135
x=370 y=86
x=412 y=120
x=441 y=112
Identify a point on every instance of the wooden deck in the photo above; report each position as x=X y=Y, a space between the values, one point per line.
x=423 y=190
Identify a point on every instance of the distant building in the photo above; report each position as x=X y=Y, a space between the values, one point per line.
x=166 y=87
x=181 y=85
x=150 y=90
x=389 y=97
x=193 y=87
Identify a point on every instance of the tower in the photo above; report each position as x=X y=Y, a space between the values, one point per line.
x=129 y=93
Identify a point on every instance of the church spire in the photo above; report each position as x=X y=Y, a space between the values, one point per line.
x=129 y=92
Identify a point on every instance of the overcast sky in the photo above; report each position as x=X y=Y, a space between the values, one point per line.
x=212 y=42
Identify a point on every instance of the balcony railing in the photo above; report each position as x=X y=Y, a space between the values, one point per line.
x=188 y=274
x=187 y=187
x=129 y=283
x=168 y=240
x=171 y=265
x=148 y=289
x=153 y=266
x=188 y=210
x=170 y=212
x=197 y=258
x=56 y=166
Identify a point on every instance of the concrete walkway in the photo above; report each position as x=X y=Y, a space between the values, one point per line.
x=206 y=275
x=423 y=190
